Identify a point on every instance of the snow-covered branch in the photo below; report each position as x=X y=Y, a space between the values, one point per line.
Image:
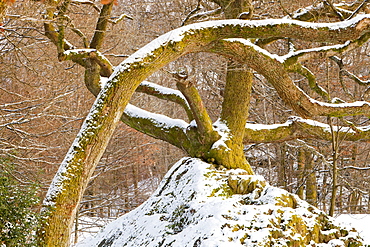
x=299 y=128
x=272 y=68
x=159 y=126
x=166 y=94
x=78 y=55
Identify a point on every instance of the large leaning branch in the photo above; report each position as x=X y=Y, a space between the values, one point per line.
x=274 y=71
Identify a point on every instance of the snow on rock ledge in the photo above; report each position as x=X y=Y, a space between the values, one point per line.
x=195 y=205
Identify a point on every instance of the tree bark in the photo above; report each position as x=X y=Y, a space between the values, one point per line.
x=235 y=106
x=300 y=177
x=234 y=115
x=311 y=186
x=335 y=156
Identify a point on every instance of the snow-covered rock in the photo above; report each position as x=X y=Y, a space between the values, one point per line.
x=198 y=205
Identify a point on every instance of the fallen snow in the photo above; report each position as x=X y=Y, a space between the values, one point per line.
x=192 y=207
x=358 y=221
x=224 y=132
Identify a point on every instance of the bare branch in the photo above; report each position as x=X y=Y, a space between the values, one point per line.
x=356 y=168
x=192 y=12
x=284 y=9
x=334 y=9
x=205 y=15
x=120 y=18
x=349 y=74
x=359 y=8
x=315 y=12
x=302 y=70
x=77 y=2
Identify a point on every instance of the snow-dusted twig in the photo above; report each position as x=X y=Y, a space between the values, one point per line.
x=315 y=12
x=120 y=18
x=87 y=3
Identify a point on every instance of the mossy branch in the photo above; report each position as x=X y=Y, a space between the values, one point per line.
x=275 y=72
x=166 y=94
x=56 y=36
x=101 y=26
x=173 y=131
x=81 y=54
x=199 y=111
x=302 y=70
x=61 y=22
x=299 y=128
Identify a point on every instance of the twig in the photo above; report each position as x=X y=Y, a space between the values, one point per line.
x=358 y=9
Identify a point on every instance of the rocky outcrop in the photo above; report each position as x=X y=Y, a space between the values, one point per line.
x=199 y=205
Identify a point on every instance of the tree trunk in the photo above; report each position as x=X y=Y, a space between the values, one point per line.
x=235 y=107
x=300 y=177
x=311 y=186
x=335 y=155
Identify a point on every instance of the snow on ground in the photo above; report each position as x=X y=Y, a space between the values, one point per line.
x=359 y=221
x=194 y=206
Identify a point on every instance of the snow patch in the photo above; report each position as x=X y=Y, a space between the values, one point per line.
x=224 y=132
x=194 y=206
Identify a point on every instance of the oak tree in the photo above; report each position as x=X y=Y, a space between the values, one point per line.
x=245 y=41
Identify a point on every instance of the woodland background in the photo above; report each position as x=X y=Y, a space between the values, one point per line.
x=43 y=103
